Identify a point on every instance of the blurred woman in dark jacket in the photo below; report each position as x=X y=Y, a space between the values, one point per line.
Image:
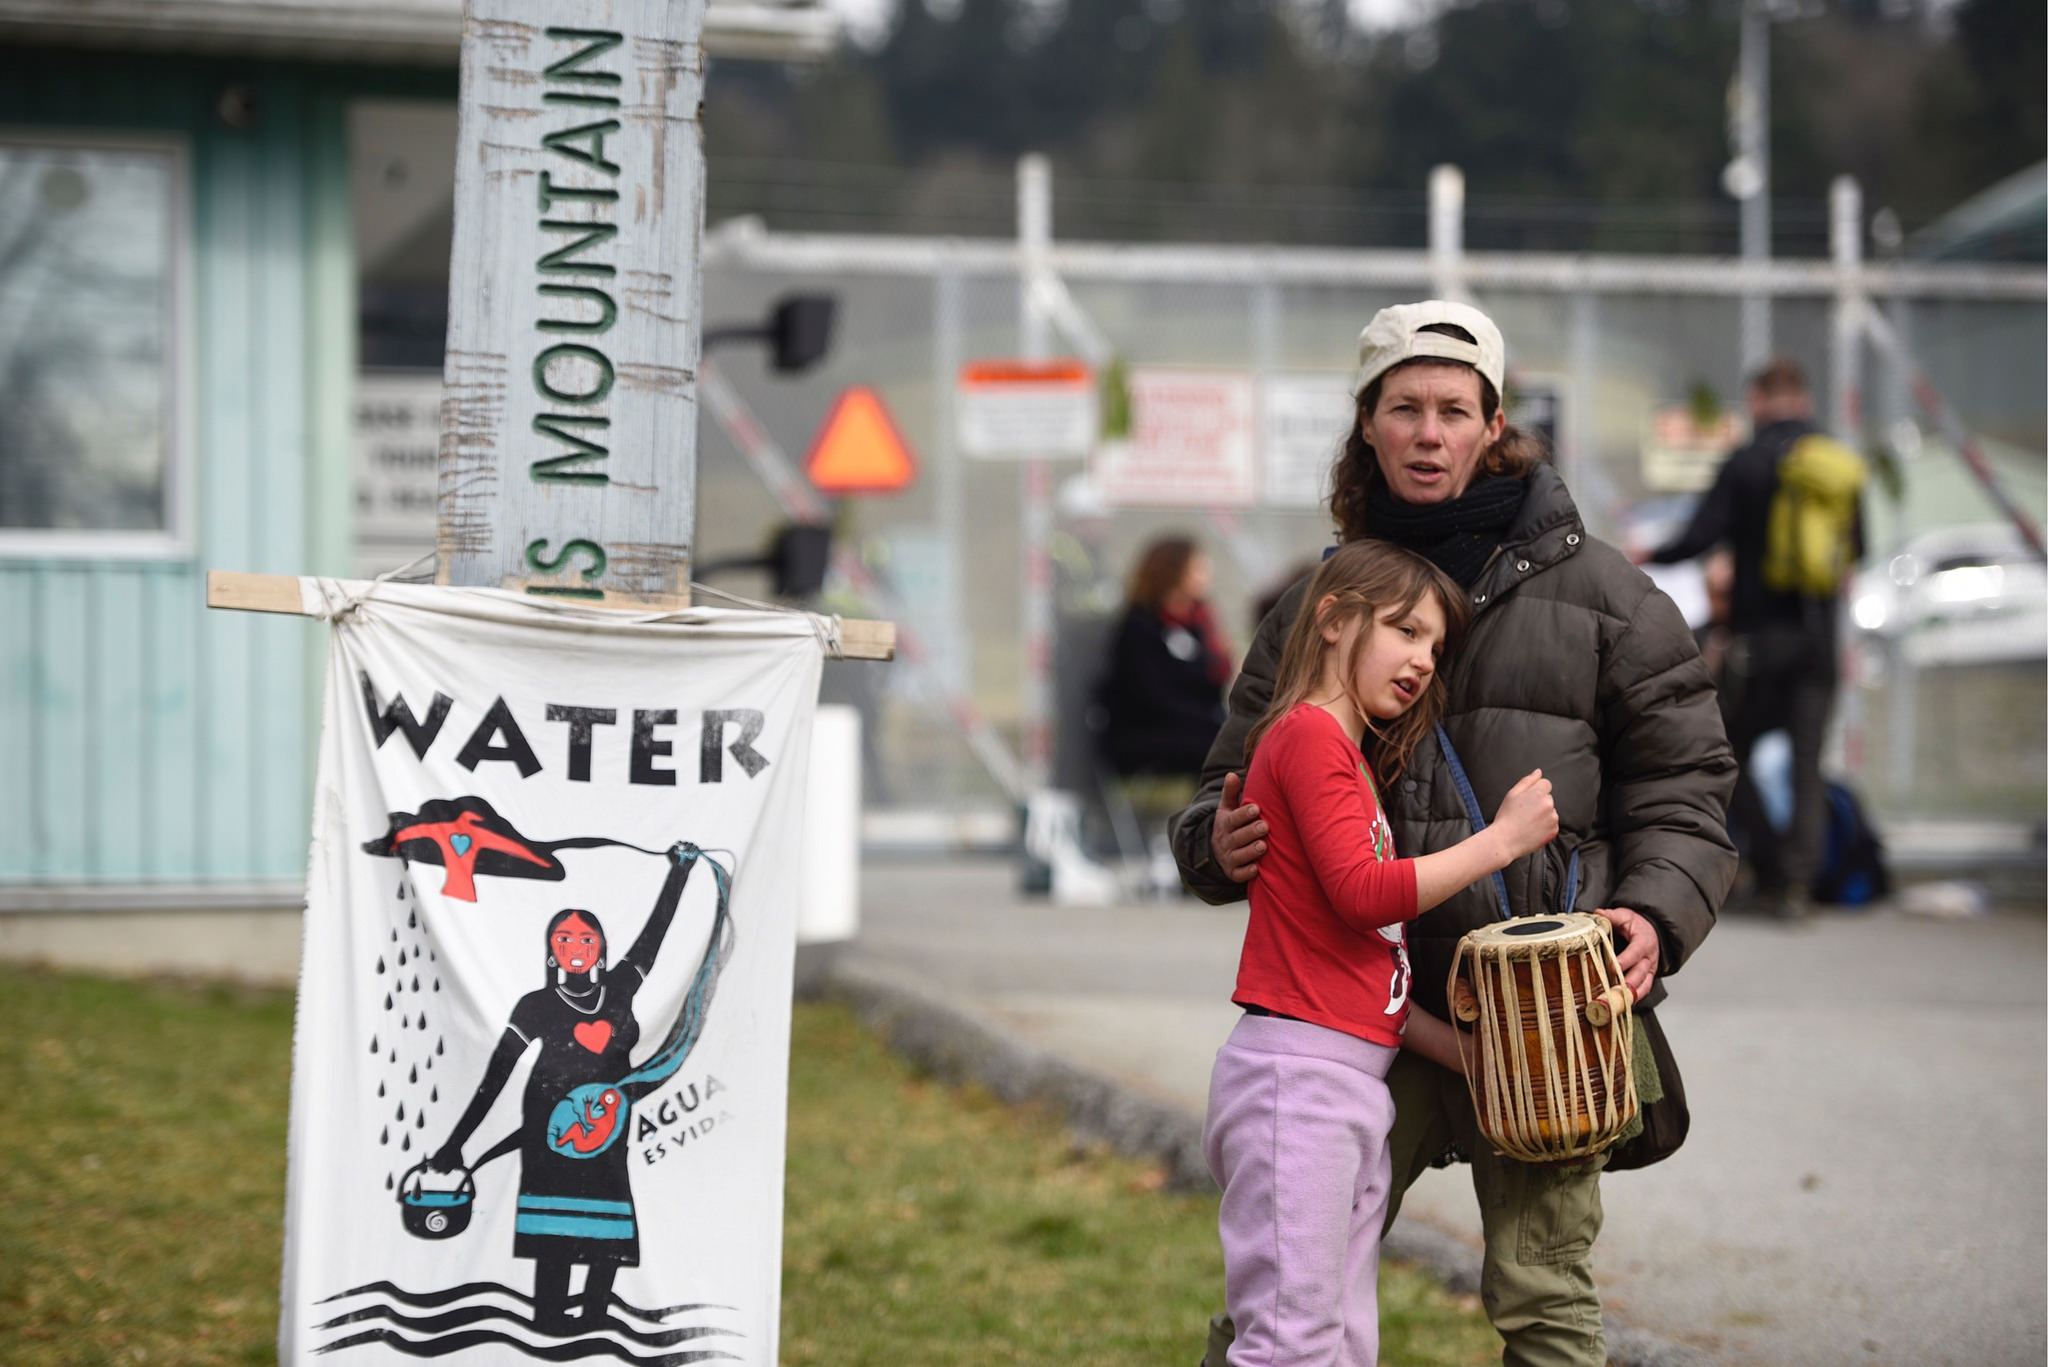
x=1162 y=690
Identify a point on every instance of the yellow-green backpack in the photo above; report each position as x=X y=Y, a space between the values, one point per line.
x=1808 y=537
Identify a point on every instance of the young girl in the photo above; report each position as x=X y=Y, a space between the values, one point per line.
x=1298 y=1104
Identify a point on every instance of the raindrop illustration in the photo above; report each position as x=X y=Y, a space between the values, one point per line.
x=380 y=1089
x=373 y=1044
x=401 y=958
x=415 y=1074
x=380 y=963
x=438 y=1043
x=387 y=1001
x=388 y=1183
x=423 y=1020
x=434 y=1095
x=432 y=957
x=412 y=919
x=415 y=982
x=430 y=1063
x=405 y=1143
x=401 y=1110
x=420 y=1121
x=437 y=984
x=385 y=1136
x=404 y=1021
x=394 y=935
x=394 y=1056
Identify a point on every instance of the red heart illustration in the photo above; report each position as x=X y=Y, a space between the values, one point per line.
x=594 y=1035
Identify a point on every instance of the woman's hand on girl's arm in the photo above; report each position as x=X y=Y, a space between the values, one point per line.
x=1237 y=836
x=1437 y=1040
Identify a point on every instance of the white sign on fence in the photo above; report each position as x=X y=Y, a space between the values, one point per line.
x=1303 y=419
x=1025 y=410
x=1193 y=442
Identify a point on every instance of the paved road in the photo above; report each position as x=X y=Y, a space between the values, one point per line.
x=1867 y=1174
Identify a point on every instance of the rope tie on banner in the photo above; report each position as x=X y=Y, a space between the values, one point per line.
x=825 y=626
x=335 y=616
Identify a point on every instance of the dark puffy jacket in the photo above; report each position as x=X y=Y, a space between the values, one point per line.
x=1576 y=664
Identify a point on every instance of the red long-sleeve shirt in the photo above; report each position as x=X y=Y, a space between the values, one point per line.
x=1326 y=941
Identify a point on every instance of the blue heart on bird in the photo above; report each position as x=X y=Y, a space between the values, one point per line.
x=460 y=844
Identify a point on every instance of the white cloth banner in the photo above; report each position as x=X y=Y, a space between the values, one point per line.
x=538 y=1083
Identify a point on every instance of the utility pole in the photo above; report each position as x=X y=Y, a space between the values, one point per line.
x=1447 y=232
x=1034 y=341
x=1747 y=178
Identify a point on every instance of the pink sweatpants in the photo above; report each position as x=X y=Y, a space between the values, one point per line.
x=1296 y=1135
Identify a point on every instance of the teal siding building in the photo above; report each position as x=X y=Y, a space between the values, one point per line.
x=148 y=740
x=180 y=329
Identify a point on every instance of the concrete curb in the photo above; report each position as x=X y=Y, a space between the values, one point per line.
x=956 y=1046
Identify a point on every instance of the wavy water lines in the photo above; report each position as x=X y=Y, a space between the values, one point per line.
x=464 y=1313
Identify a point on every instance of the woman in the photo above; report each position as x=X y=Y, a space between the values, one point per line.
x=1574 y=664
x=1162 y=692
x=575 y=1198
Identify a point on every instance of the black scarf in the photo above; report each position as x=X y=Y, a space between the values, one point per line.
x=1457 y=535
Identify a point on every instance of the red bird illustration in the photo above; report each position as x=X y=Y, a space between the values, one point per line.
x=460 y=841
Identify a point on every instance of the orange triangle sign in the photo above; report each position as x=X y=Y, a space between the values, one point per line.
x=858 y=449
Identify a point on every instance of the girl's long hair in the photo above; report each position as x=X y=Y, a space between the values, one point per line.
x=1358 y=466
x=1366 y=580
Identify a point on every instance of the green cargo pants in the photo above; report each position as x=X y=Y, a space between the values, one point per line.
x=1536 y=1279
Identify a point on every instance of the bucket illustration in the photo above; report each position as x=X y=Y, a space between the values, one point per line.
x=431 y=1213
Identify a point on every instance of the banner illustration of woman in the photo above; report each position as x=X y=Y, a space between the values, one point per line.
x=575 y=1194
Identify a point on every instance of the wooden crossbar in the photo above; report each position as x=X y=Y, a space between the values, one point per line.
x=860 y=638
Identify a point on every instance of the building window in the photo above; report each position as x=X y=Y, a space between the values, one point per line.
x=91 y=246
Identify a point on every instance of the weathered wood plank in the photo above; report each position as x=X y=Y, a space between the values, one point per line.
x=862 y=639
x=569 y=416
x=254 y=592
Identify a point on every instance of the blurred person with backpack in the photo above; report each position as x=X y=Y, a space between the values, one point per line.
x=1787 y=504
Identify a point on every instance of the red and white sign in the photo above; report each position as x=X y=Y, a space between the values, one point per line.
x=1193 y=443
x=1025 y=410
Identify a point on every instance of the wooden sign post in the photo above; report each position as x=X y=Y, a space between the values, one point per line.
x=568 y=411
x=568 y=463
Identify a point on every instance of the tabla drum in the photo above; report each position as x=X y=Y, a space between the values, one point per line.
x=1553 y=1032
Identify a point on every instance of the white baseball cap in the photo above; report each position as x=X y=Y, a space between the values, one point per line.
x=1395 y=335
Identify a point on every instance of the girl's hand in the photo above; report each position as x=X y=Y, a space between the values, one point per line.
x=1527 y=819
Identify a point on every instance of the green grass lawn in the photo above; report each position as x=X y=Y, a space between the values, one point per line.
x=141 y=1201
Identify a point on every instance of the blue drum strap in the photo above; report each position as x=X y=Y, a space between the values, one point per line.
x=1500 y=884
x=1471 y=801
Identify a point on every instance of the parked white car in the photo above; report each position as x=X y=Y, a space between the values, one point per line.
x=1956 y=595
